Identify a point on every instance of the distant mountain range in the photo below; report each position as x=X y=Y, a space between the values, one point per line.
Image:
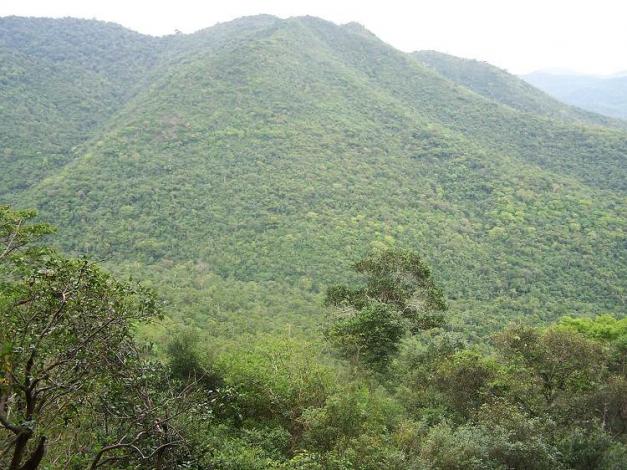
x=604 y=95
x=264 y=156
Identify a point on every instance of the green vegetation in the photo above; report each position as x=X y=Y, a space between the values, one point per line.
x=240 y=171
x=400 y=297
x=77 y=391
x=265 y=156
x=502 y=87
x=59 y=81
x=73 y=382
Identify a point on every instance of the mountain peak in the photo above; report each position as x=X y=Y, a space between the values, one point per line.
x=357 y=28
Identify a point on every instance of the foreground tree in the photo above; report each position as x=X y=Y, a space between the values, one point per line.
x=65 y=343
x=138 y=417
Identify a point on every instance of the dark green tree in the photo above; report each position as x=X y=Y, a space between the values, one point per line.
x=65 y=344
x=400 y=297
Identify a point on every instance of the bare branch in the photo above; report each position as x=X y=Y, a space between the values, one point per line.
x=9 y=249
x=4 y=420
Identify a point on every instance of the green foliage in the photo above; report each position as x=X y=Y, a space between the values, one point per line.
x=558 y=362
x=185 y=362
x=591 y=449
x=264 y=155
x=399 y=297
x=60 y=80
x=238 y=171
x=543 y=398
x=253 y=449
x=602 y=327
x=73 y=383
x=482 y=447
x=399 y=278
x=18 y=232
x=467 y=380
x=502 y=87
x=370 y=334
x=540 y=398
x=273 y=379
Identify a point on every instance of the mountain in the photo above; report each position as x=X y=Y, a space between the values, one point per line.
x=59 y=80
x=243 y=168
x=498 y=85
x=603 y=95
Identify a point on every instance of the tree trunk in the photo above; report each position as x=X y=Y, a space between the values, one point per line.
x=35 y=459
x=18 y=451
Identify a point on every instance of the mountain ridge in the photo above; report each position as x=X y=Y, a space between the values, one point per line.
x=271 y=153
x=605 y=95
x=499 y=85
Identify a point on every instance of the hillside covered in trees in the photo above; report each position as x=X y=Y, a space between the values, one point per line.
x=266 y=155
x=393 y=387
x=473 y=228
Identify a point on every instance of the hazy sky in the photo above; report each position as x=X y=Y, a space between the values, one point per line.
x=519 y=35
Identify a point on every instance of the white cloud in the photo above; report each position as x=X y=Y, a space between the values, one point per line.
x=519 y=35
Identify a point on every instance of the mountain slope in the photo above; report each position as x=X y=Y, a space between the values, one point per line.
x=498 y=85
x=556 y=146
x=604 y=95
x=59 y=80
x=268 y=154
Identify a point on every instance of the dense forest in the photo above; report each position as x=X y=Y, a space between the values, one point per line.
x=286 y=244
x=389 y=384
x=499 y=85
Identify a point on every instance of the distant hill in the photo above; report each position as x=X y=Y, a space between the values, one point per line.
x=603 y=95
x=244 y=167
x=505 y=88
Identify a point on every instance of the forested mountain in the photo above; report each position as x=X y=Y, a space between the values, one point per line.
x=359 y=258
x=505 y=88
x=265 y=155
x=59 y=81
x=604 y=95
